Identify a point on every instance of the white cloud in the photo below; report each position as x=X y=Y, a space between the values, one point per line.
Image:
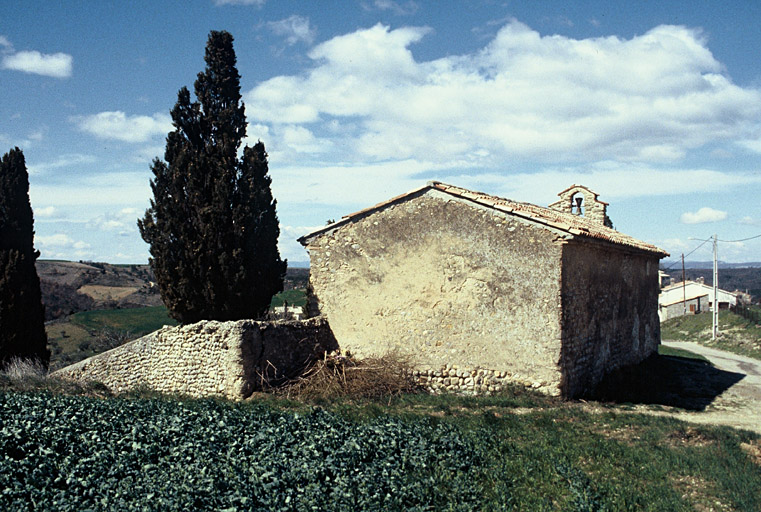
x=64 y=161
x=94 y=190
x=650 y=98
x=702 y=216
x=117 y=125
x=56 y=65
x=751 y=144
x=288 y=246
x=45 y=213
x=123 y=221
x=7 y=46
x=294 y=29
x=398 y=8
x=750 y=221
x=301 y=140
x=59 y=244
x=345 y=186
x=257 y=3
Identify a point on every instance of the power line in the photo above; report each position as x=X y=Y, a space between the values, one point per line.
x=741 y=240
x=695 y=249
x=708 y=240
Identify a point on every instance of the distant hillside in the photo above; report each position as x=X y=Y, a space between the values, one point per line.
x=677 y=264
x=70 y=287
x=730 y=279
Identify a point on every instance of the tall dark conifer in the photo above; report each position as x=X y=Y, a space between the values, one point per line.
x=22 y=315
x=212 y=225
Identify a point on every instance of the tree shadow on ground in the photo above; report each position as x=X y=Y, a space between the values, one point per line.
x=666 y=380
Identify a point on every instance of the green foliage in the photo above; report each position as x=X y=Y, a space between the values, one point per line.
x=212 y=225
x=138 y=321
x=71 y=453
x=78 y=453
x=22 y=315
x=294 y=298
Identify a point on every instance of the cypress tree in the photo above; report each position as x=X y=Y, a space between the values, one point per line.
x=22 y=315
x=212 y=224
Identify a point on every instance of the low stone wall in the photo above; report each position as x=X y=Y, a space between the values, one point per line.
x=477 y=381
x=228 y=359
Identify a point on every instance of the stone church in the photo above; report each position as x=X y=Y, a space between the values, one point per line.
x=481 y=290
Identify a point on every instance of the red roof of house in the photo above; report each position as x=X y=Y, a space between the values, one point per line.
x=576 y=225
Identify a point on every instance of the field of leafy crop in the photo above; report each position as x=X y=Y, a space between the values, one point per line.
x=75 y=453
x=516 y=451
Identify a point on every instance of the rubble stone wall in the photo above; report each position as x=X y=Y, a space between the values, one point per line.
x=610 y=313
x=209 y=358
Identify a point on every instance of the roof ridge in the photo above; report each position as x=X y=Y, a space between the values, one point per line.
x=563 y=221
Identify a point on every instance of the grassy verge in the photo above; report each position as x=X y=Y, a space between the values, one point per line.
x=138 y=321
x=736 y=334
x=663 y=350
x=294 y=297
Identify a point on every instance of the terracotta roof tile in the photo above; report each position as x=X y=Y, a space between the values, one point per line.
x=567 y=222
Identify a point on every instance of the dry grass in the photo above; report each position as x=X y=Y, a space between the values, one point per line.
x=753 y=449
x=104 y=293
x=31 y=375
x=339 y=375
x=24 y=369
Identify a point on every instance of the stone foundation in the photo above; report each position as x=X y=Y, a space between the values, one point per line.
x=227 y=359
x=477 y=381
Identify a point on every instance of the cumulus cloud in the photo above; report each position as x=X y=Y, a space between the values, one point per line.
x=702 y=216
x=7 y=46
x=650 y=98
x=56 y=65
x=60 y=245
x=123 y=221
x=119 y=126
x=294 y=29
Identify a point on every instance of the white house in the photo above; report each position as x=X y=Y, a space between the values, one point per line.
x=691 y=297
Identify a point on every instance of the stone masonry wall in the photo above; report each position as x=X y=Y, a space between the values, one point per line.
x=450 y=283
x=610 y=313
x=228 y=359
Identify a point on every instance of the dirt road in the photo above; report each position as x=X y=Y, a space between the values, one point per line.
x=737 y=406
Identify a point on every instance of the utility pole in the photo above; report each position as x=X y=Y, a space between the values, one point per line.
x=715 y=288
x=684 y=290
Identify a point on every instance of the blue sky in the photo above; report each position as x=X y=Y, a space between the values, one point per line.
x=654 y=105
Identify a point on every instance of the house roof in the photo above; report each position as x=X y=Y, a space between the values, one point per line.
x=575 y=225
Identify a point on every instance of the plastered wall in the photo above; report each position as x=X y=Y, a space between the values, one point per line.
x=453 y=284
